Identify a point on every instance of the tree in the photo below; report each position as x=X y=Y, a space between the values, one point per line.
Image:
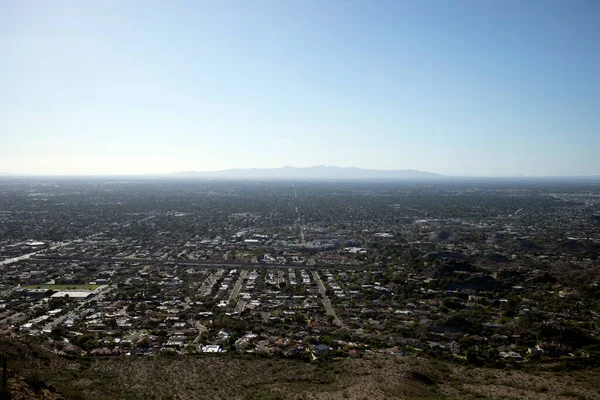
x=492 y=354
x=57 y=332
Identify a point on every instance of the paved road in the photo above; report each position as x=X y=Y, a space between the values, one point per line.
x=74 y=314
x=236 y=292
x=238 y=285
x=194 y=263
x=299 y=220
x=29 y=255
x=14 y=319
x=326 y=302
x=8 y=292
x=261 y=347
x=240 y=306
x=201 y=329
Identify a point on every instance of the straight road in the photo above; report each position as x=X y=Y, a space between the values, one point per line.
x=294 y=189
x=101 y=292
x=29 y=255
x=240 y=306
x=238 y=285
x=191 y=263
x=326 y=302
x=299 y=219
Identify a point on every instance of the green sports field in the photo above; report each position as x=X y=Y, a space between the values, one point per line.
x=64 y=287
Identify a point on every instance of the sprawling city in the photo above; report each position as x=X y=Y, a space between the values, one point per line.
x=299 y=200
x=488 y=273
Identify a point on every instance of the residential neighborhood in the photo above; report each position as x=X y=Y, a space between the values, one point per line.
x=506 y=276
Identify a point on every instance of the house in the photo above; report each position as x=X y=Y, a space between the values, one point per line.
x=511 y=355
x=294 y=351
x=553 y=349
x=213 y=348
x=322 y=350
x=396 y=350
x=77 y=295
x=37 y=293
x=354 y=353
x=104 y=351
x=176 y=341
x=436 y=346
x=535 y=351
x=455 y=348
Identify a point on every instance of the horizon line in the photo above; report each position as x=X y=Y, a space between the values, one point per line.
x=182 y=174
x=175 y=177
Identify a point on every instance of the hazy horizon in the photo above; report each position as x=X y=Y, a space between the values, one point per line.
x=215 y=174
x=462 y=88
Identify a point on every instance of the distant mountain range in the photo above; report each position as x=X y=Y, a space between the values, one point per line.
x=319 y=172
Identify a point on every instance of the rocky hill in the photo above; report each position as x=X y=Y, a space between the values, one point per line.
x=38 y=374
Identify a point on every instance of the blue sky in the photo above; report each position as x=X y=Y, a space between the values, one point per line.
x=488 y=88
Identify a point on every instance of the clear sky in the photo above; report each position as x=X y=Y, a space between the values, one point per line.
x=490 y=88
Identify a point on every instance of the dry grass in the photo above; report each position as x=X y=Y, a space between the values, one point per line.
x=238 y=377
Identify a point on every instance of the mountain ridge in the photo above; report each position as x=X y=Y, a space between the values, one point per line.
x=316 y=172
